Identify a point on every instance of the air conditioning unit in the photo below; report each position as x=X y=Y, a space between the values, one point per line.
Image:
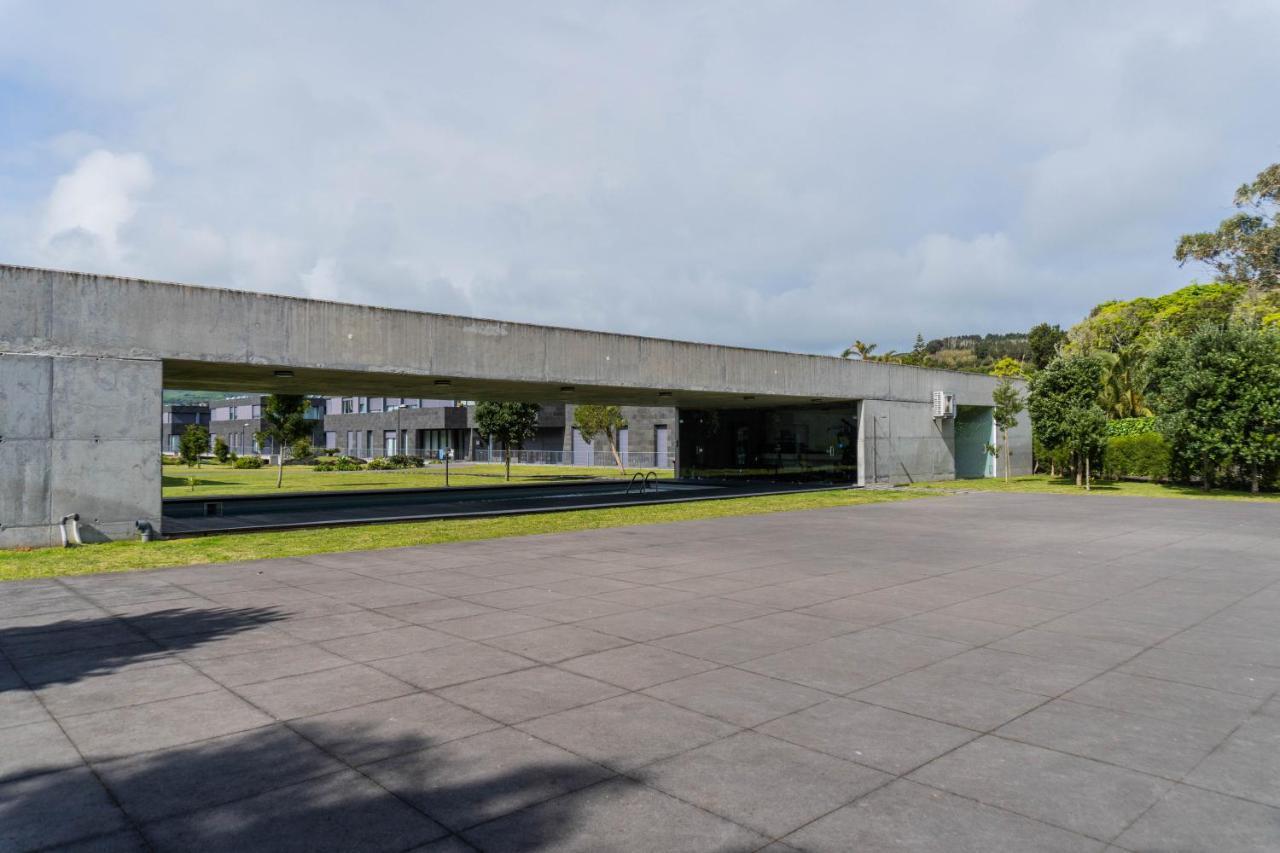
x=944 y=404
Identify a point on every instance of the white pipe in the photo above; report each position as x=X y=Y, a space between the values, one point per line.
x=74 y=538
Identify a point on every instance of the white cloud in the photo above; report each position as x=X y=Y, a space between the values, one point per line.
x=772 y=174
x=91 y=204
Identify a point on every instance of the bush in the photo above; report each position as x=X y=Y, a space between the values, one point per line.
x=302 y=449
x=339 y=463
x=382 y=463
x=1144 y=454
x=221 y=451
x=403 y=460
x=166 y=459
x=1132 y=426
x=248 y=462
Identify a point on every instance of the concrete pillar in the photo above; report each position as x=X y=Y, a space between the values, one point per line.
x=901 y=442
x=77 y=435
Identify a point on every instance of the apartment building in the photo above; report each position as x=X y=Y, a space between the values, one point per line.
x=175 y=419
x=238 y=420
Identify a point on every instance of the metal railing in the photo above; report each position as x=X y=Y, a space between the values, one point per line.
x=586 y=457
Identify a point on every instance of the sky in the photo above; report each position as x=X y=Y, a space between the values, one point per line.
x=788 y=175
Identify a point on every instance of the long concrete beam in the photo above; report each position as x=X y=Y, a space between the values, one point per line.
x=210 y=338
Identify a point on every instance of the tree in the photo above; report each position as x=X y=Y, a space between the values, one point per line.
x=861 y=350
x=284 y=421
x=1218 y=394
x=1065 y=415
x=1008 y=405
x=194 y=441
x=509 y=424
x=221 y=451
x=1043 y=342
x=601 y=420
x=1246 y=246
x=1121 y=395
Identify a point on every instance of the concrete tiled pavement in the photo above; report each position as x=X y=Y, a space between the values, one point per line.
x=972 y=673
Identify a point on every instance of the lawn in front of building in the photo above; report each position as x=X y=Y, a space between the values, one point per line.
x=216 y=479
x=133 y=555
x=1044 y=484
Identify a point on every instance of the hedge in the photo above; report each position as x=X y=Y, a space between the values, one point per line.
x=1145 y=454
x=1131 y=426
x=248 y=462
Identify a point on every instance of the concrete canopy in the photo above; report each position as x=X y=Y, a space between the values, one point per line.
x=84 y=358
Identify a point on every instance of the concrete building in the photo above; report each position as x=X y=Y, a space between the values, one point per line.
x=238 y=420
x=84 y=360
x=176 y=419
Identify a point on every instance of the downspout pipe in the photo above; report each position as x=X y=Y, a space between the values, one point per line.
x=74 y=537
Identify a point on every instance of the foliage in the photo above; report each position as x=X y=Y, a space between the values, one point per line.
x=1143 y=454
x=509 y=424
x=1007 y=367
x=1043 y=342
x=1064 y=409
x=1116 y=326
x=1008 y=405
x=593 y=420
x=1121 y=395
x=246 y=462
x=1246 y=246
x=860 y=349
x=194 y=441
x=301 y=448
x=166 y=459
x=221 y=451
x=284 y=421
x=339 y=463
x=1219 y=394
x=1132 y=426
x=382 y=463
x=404 y=460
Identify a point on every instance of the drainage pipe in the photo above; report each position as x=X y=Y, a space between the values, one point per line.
x=74 y=537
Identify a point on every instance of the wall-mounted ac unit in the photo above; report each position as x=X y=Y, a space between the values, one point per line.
x=944 y=404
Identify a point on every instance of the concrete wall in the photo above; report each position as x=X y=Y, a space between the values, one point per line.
x=83 y=359
x=77 y=435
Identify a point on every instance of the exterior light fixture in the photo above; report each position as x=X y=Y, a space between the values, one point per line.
x=567 y=388
x=283 y=374
x=443 y=382
x=748 y=397
x=664 y=393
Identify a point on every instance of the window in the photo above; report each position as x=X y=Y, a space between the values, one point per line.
x=255 y=411
x=368 y=441
x=348 y=405
x=232 y=412
x=375 y=404
x=314 y=413
x=363 y=404
x=331 y=440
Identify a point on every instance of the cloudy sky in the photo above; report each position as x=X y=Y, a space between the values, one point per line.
x=790 y=175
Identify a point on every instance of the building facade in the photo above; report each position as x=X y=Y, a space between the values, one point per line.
x=176 y=419
x=238 y=420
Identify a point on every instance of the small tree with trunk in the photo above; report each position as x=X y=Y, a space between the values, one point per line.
x=1065 y=414
x=221 y=451
x=1008 y=405
x=194 y=442
x=509 y=424
x=595 y=420
x=284 y=421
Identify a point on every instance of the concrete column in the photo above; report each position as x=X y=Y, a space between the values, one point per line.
x=77 y=435
x=901 y=442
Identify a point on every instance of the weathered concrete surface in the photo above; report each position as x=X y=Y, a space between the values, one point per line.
x=83 y=359
x=896 y=677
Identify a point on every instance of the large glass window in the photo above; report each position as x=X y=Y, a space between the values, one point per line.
x=793 y=443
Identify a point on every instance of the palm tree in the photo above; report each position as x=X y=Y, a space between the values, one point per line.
x=861 y=350
x=1121 y=393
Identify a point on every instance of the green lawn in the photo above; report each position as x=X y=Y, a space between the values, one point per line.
x=216 y=479
x=1042 y=483
x=129 y=556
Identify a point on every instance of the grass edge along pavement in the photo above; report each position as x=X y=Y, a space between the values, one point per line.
x=1044 y=484
x=135 y=555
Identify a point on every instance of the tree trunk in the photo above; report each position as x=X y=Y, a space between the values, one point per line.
x=506 y=455
x=280 y=469
x=1086 y=473
x=1253 y=479
x=1008 y=456
x=613 y=447
x=1204 y=477
x=1076 y=458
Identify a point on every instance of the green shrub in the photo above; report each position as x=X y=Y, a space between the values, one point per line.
x=404 y=460
x=382 y=463
x=339 y=463
x=1132 y=426
x=248 y=462
x=1144 y=454
x=221 y=451
x=302 y=449
x=166 y=459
